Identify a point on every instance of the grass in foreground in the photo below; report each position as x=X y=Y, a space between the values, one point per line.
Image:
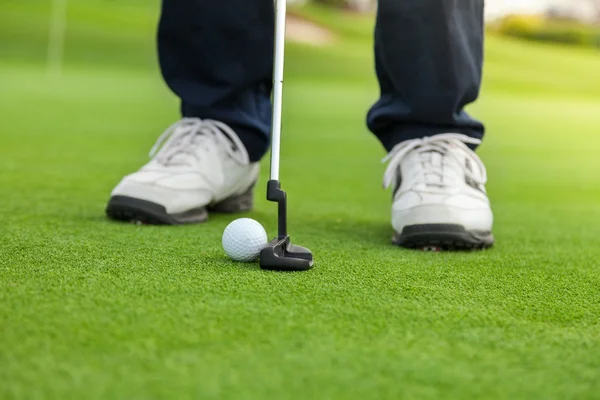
x=94 y=309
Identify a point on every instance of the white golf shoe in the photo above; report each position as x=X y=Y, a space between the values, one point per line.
x=439 y=199
x=197 y=166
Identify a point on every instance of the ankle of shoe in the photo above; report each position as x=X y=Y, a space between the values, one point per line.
x=408 y=132
x=256 y=143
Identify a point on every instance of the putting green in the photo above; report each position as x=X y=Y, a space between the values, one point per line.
x=94 y=309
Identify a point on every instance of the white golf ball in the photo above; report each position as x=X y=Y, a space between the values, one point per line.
x=243 y=239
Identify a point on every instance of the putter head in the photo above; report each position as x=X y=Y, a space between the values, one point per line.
x=281 y=255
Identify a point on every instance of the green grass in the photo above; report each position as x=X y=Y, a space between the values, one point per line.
x=93 y=309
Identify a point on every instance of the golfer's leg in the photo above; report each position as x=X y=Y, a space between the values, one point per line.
x=429 y=56
x=217 y=56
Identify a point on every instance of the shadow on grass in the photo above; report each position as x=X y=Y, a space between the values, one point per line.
x=349 y=232
x=315 y=229
x=199 y=245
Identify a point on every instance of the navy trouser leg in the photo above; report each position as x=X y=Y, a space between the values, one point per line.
x=428 y=56
x=217 y=56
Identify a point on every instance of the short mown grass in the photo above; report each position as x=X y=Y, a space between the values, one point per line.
x=94 y=309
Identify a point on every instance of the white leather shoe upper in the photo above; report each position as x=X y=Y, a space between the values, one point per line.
x=438 y=180
x=194 y=163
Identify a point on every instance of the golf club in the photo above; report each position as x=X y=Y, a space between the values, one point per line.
x=280 y=254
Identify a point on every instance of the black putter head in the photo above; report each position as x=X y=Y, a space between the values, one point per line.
x=280 y=254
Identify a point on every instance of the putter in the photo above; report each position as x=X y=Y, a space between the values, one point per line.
x=280 y=254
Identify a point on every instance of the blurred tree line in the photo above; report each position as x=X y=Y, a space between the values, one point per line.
x=544 y=29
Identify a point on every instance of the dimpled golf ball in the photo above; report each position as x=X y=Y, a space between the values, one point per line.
x=243 y=239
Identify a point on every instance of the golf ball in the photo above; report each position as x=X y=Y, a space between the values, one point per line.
x=243 y=239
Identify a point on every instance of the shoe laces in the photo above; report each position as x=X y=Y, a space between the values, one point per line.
x=444 y=144
x=189 y=135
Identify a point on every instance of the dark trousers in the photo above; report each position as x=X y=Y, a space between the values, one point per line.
x=217 y=56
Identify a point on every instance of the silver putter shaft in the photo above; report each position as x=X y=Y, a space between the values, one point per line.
x=280 y=254
x=278 y=67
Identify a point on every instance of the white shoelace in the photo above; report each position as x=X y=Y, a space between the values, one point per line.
x=443 y=144
x=189 y=134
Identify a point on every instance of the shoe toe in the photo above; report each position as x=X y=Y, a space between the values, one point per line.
x=174 y=200
x=413 y=208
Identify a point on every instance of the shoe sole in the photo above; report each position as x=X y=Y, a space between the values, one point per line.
x=436 y=237
x=130 y=209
